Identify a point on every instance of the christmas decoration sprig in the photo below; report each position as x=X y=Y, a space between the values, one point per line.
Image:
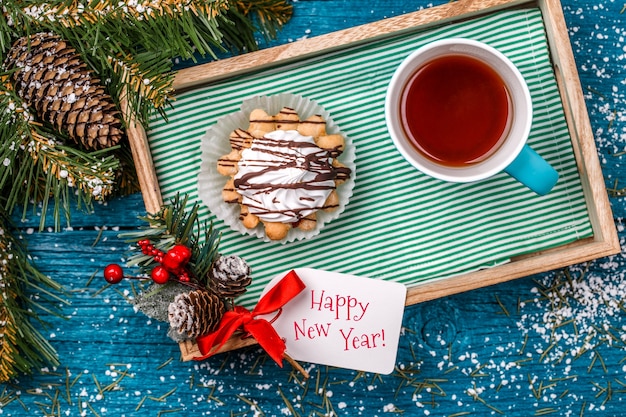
x=176 y=253
x=193 y=286
x=73 y=73
x=175 y=224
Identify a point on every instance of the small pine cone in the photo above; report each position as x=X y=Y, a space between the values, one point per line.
x=195 y=313
x=52 y=78
x=230 y=275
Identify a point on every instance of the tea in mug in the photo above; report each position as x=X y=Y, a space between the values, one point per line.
x=456 y=110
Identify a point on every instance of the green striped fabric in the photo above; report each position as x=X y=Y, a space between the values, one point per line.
x=400 y=225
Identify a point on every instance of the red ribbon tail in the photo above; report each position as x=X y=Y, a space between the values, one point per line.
x=268 y=339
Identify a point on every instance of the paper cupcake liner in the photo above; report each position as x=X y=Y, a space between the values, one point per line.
x=215 y=143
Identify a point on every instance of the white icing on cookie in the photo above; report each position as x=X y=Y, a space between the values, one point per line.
x=284 y=176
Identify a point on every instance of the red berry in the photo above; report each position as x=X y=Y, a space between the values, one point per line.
x=183 y=251
x=176 y=258
x=183 y=277
x=113 y=273
x=160 y=275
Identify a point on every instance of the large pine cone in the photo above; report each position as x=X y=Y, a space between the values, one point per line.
x=51 y=78
x=230 y=275
x=195 y=313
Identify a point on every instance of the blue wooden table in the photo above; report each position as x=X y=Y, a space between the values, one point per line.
x=552 y=344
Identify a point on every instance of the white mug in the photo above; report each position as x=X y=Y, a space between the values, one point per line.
x=511 y=155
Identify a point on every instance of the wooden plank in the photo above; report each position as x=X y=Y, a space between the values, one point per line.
x=605 y=241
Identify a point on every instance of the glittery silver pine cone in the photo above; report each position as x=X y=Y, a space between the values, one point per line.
x=195 y=313
x=230 y=276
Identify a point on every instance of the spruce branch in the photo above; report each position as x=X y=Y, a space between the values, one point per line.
x=132 y=46
x=23 y=349
x=74 y=13
x=38 y=167
x=271 y=14
x=201 y=14
x=131 y=43
x=146 y=79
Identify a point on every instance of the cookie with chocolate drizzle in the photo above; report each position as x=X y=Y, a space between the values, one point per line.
x=282 y=171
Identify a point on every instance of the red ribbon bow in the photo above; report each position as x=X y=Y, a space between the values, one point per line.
x=240 y=318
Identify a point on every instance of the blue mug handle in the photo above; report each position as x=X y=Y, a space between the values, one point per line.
x=533 y=171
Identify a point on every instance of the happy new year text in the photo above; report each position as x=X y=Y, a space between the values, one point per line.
x=342 y=308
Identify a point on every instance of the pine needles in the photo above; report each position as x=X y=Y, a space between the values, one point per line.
x=177 y=224
x=22 y=347
x=39 y=167
x=129 y=43
x=132 y=48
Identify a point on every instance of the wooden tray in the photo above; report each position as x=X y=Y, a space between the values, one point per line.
x=604 y=241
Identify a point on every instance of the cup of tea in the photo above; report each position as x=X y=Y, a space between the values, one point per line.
x=459 y=110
